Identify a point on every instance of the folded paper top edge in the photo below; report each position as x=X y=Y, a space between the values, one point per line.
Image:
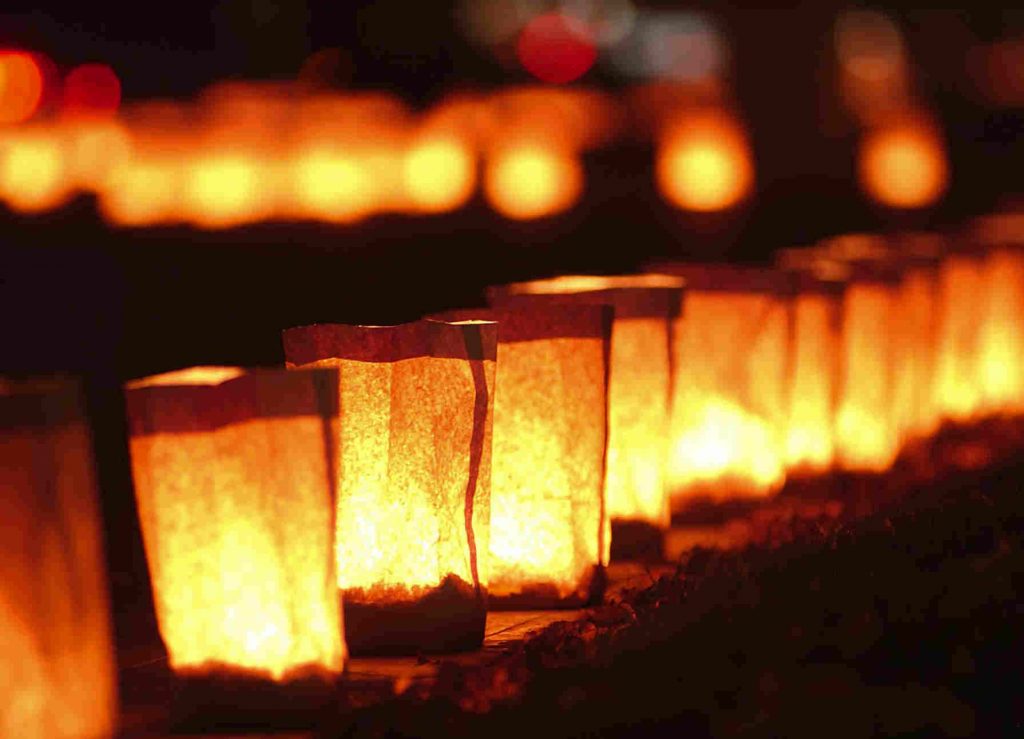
x=472 y=338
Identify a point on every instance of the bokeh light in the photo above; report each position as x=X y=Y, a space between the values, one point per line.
x=439 y=174
x=903 y=165
x=530 y=181
x=33 y=166
x=332 y=186
x=91 y=90
x=21 y=86
x=704 y=163
x=222 y=190
x=556 y=48
x=96 y=147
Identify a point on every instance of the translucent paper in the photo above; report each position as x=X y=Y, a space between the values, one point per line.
x=1001 y=343
x=916 y=343
x=886 y=348
x=867 y=434
x=57 y=672
x=639 y=384
x=413 y=478
x=962 y=291
x=814 y=368
x=234 y=478
x=729 y=409
x=550 y=534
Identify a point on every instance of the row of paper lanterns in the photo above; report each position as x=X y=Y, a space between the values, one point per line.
x=483 y=458
x=247 y=153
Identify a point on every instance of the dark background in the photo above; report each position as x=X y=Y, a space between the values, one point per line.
x=110 y=305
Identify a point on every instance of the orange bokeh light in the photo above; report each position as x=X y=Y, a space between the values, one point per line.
x=439 y=174
x=21 y=86
x=704 y=163
x=903 y=165
x=532 y=181
x=32 y=172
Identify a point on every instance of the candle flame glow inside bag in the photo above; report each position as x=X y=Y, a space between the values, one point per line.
x=1002 y=345
x=233 y=477
x=814 y=372
x=961 y=322
x=639 y=384
x=550 y=534
x=1002 y=334
x=57 y=671
x=414 y=478
x=880 y=321
x=729 y=400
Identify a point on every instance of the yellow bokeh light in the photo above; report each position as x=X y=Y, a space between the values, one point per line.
x=32 y=172
x=704 y=164
x=222 y=191
x=532 y=181
x=439 y=175
x=332 y=186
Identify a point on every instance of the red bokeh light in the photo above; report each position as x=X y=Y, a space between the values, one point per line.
x=92 y=89
x=556 y=48
x=21 y=86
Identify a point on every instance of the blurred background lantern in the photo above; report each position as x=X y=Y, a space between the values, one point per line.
x=813 y=366
x=34 y=169
x=639 y=385
x=903 y=163
x=413 y=478
x=549 y=527
x=533 y=145
x=961 y=322
x=704 y=162
x=57 y=670
x=1002 y=334
x=234 y=478
x=918 y=257
x=867 y=433
x=730 y=346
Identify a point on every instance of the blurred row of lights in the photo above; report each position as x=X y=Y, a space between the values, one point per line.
x=246 y=153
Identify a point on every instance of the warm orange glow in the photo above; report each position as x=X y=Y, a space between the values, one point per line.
x=961 y=322
x=530 y=181
x=916 y=341
x=33 y=169
x=142 y=191
x=903 y=165
x=232 y=480
x=57 y=667
x=639 y=376
x=1001 y=340
x=704 y=163
x=21 y=86
x=911 y=264
x=817 y=344
x=439 y=174
x=549 y=535
x=95 y=149
x=728 y=410
x=866 y=432
x=224 y=190
x=413 y=497
x=332 y=186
